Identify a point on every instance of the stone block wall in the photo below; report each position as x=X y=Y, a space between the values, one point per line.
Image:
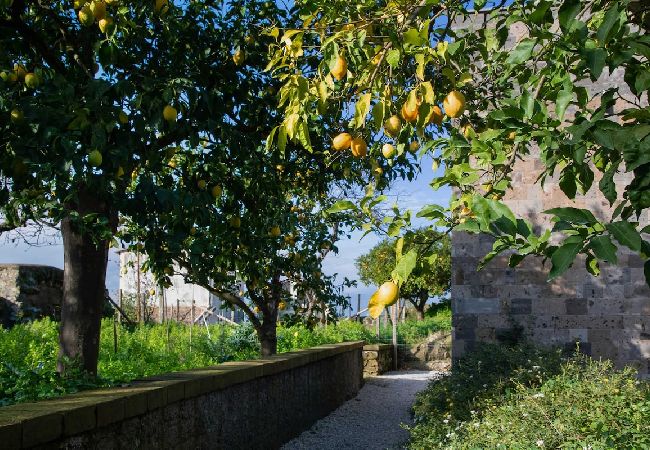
x=30 y=291
x=377 y=359
x=609 y=314
x=258 y=404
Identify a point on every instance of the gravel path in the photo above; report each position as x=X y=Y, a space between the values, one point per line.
x=372 y=419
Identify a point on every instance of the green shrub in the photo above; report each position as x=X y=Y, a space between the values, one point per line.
x=28 y=352
x=525 y=397
x=410 y=332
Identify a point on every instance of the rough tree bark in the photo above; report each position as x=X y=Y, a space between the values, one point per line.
x=420 y=304
x=84 y=286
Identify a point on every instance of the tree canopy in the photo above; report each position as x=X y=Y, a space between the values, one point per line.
x=478 y=97
x=431 y=276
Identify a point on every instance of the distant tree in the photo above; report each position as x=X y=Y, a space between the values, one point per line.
x=431 y=276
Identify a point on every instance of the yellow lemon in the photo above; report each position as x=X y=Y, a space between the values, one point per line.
x=239 y=57
x=98 y=9
x=216 y=191
x=410 y=115
x=388 y=151
x=170 y=114
x=393 y=125
x=436 y=115
x=359 y=147
x=454 y=104
x=340 y=69
x=342 y=141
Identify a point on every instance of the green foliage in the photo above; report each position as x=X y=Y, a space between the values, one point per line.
x=431 y=274
x=525 y=397
x=530 y=96
x=28 y=353
x=413 y=331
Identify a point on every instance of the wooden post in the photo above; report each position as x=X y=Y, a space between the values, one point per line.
x=138 y=297
x=161 y=305
x=359 y=307
x=115 y=333
x=377 y=325
x=192 y=322
x=178 y=309
x=395 y=336
x=119 y=303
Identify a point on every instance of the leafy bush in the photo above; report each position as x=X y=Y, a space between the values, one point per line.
x=411 y=332
x=525 y=397
x=28 y=352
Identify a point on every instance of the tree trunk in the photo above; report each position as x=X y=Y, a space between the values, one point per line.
x=84 y=287
x=268 y=335
x=421 y=304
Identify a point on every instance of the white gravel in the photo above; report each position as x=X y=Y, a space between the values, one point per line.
x=372 y=419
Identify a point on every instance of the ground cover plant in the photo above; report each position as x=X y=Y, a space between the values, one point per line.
x=411 y=332
x=28 y=352
x=526 y=397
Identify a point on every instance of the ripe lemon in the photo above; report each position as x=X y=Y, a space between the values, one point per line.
x=436 y=116
x=410 y=115
x=392 y=126
x=161 y=6
x=32 y=81
x=105 y=25
x=202 y=184
x=454 y=104
x=342 y=141
x=388 y=151
x=98 y=9
x=239 y=57
x=170 y=114
x=413 y=146
x=95 y=158
x=17 y=116
x=359 y=147
x=275 y=231
x=20 y=71
x=86 y=17
x=216 y=191
x=340 y=69
x=512 y=135
x=387 y=293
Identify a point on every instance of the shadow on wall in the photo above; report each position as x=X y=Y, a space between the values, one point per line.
x=609 y=315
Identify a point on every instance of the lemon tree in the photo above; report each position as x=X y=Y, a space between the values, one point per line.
x=95 y=98
x=430 y=277
x=438 y=78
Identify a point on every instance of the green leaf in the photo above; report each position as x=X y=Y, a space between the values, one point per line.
x=607 y=185
x=592 y=265
x=405 y=266
x=567 y=13
x=563 y=99
x=604 y=249
x=595 y=61
x=361 y=109
x=563 y=257
x=605 y=30
x=378 y=114
x=522 y=51
x=393 y=58
x=573 y=215
x=341 y=205
x=626 y=234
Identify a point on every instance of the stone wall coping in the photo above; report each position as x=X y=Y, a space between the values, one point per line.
x=28 y=424
x=377 y=347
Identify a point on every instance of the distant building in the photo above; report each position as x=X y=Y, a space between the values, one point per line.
x=174 y=302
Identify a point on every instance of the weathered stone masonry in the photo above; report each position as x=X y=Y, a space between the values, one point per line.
x=256 y=404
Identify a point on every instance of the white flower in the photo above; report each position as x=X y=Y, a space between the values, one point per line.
x=536 y=367
x=445 y=421
x=540 y=443
x=538 y=395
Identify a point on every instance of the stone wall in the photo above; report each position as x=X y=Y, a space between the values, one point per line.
x=256 y=404
x=377 y=359
x=433 y=353
x=29 y=291
x=609 y=314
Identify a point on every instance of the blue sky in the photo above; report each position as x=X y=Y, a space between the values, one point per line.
x=411 y=195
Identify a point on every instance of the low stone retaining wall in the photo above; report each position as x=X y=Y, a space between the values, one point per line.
x=257 y=404
x=377 y=359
